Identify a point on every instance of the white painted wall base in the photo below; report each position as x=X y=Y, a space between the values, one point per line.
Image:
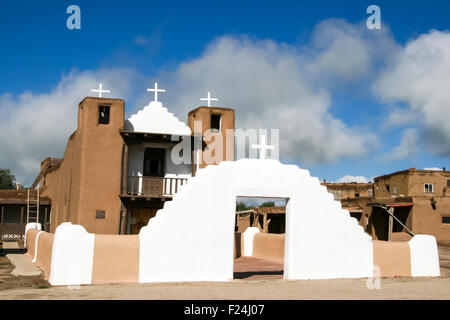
x=72 y=255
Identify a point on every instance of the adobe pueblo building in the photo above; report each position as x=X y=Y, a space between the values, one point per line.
x=116 y=173
x=397 y=205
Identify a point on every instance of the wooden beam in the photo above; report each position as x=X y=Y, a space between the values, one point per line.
x=2 y=214
x=391 y=224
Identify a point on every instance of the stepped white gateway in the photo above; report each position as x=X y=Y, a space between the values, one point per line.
x=192 y=237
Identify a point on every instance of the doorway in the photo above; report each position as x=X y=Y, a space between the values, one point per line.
x=267 y=260
x=154 y=159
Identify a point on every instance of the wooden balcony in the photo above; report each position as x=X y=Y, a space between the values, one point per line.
x=154 y=187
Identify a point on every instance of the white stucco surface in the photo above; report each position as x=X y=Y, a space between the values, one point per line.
x=249 y=235
x=154 y=118
x=72 y=255
x=424 y=256
x=31 y=225
x=36 y=241
x=192 y=237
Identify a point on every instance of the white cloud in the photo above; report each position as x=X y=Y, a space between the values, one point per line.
x=358 y=179
x=420 y=77
x=341 y=52
x=433 y=169
x=401 y=117
x=268 y=83
x=34 y=126
x=408 y=147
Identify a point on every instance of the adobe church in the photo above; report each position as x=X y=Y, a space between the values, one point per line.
x=116 y=173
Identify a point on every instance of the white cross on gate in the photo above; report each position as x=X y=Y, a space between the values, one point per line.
x=100 y=90
x=262 y=146
x=156 y=90
x=209 y=99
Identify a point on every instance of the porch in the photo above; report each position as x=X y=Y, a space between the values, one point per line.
x=154 y=187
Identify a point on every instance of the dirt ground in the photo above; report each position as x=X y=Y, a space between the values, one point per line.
x=254 y=279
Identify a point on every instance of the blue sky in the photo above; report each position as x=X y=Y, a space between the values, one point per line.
x=140 y=42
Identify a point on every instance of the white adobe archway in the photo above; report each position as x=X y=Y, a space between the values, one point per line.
x=192 y=237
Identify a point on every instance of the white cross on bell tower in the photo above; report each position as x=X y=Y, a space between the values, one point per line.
x=262 y=146
x=156 y=90
x=100 y=90
x=209 y=99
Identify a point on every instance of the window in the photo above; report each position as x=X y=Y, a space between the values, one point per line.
x=215 y=121
x=394 y=189
x=103 y=114
x=369 y=192
x=428 y=188
x=100 y=214
x=356 y=195
x=154 y=162
x=387 y=188
x=337 y=194
x=446 y=220
x=448 y=183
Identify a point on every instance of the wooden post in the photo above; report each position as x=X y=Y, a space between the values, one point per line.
x=125 y=169
x=123 y=221
x=21 y=214
x=2 y=214
x=45 y=218
x=265 y=222
x=391 y=222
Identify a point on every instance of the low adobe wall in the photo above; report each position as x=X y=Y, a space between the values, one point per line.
x=269 y=246
x=415 y=258
x=116 y=259
x=43 y=256
x=393 y=258
x=400 y=236
x=30 y=236
x=72 y=256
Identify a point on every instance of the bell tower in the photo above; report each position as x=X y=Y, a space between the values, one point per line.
x=215 y=126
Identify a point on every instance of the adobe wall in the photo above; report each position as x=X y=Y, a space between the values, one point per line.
x=269 y=246
x=61 y=184
x=348 y=190
x=427 y=220
x=44 y=253
x=228 y=117
x=401 y=180
x=30 y=245
x=393 y=258
x=89 y=176
x=116 y=259
x=417 y=179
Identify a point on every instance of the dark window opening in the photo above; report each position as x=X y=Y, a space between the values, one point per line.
x=215 y=121
x=100 y=214
x=154 y=162
x=446 y=220
x=103 y=114
x=448 y=183
x=356 y=195
x=356 y=215
x=387 y=188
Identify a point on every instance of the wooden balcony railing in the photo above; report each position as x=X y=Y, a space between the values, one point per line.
x=154 y=186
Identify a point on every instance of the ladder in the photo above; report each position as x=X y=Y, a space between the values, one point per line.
x=33 y=206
